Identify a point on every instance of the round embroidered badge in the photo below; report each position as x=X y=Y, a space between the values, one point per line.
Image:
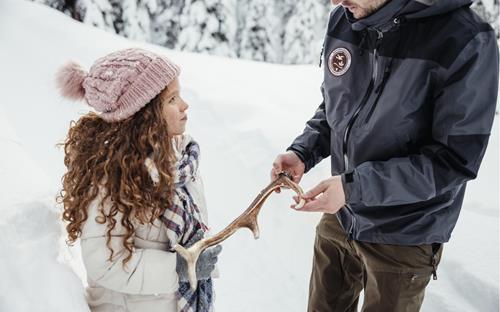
x=339 y=61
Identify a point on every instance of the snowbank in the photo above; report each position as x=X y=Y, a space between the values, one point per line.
x=242 y=113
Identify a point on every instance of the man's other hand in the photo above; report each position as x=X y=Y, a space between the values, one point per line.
x=328 y=197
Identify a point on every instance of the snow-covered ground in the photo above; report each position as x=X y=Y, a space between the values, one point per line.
x=242 y=113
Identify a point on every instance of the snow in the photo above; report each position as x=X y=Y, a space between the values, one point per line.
x=242 y=113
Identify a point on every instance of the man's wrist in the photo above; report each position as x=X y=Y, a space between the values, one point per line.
x=303 y=155
x=297 y=152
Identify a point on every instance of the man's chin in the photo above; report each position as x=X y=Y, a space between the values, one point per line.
x=357 y=14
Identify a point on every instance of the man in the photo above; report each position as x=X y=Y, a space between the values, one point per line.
x=409 y=99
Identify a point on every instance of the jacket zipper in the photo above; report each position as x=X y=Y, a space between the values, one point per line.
x=347 y=131
x=387 y=73
x=378 y=92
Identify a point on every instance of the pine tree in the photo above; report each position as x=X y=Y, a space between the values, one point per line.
x=165 y=24
x=259 y=36
x=259 y=29
x=136 y=17
x=303 y=34
x=281 y=31
x=98 y=13
x=208 y=26
x=65 y=6
x=241 y=12
x=285 y=9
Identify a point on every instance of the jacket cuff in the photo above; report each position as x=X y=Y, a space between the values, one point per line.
x=303 y=155
x=351 y=187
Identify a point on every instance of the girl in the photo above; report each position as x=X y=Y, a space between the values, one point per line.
x=132 y=189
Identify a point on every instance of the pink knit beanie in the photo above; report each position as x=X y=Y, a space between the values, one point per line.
x=119 y=84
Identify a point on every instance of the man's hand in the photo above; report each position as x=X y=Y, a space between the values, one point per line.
x=290 y=163
x=328 y=196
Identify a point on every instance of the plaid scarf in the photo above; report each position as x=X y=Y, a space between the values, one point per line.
x=182 y=220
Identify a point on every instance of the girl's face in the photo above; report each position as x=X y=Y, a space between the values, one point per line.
x=174 y=108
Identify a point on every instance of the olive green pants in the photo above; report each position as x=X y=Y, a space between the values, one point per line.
x=393 y=277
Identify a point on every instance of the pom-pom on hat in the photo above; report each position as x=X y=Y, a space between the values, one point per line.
x=119 y=84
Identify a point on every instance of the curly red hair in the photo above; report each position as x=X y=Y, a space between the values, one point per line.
x=110 y=158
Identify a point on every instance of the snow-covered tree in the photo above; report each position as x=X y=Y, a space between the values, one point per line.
x=301 y=39
x=165 y=23
x=280 y=31
x=259 y=36
x=489 y=10
x=99 y=13
x=136 y=17
x=285 y=9
x=208 y=26
x=65 y=6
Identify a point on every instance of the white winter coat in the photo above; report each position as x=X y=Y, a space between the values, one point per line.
x=150 y=280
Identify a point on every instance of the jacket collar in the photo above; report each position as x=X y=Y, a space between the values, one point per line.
x=383 y=18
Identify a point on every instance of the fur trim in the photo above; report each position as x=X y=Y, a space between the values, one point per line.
x=69 y=80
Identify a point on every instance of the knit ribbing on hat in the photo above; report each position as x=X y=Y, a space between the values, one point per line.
x=147 y=85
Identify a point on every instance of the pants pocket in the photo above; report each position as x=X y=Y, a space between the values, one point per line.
x=395 y=292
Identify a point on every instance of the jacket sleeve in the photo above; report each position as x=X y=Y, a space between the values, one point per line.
x=313 y=144
x=463 y=114
x=149 y=271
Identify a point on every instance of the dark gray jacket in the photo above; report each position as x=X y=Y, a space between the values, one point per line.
x=409 y=100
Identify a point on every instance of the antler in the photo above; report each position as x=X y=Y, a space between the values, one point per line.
x=247 y=219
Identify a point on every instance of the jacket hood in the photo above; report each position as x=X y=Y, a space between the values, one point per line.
x=409 y=9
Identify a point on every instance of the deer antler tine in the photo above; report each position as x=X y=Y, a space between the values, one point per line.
x=254 y=227
x=247 y=219
x=191 y=255
x=288 y=183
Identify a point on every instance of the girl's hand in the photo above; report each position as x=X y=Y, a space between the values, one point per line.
x=205 y=264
